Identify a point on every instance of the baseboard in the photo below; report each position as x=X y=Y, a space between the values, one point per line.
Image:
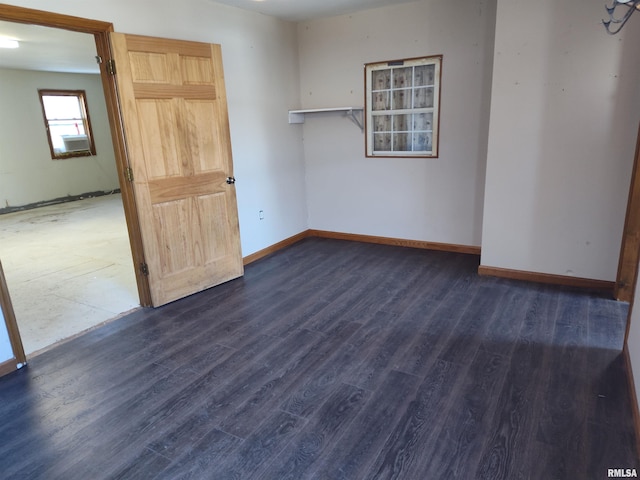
x=275 y=247
x=585 y=283
x=398 y=242
x=9 y=366
x=56 y=201
x=633 y=397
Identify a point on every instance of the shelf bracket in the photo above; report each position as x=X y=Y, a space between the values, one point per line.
x=355 y=117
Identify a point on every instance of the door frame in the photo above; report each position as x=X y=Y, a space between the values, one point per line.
x=100 y=30
x=19 y=357
x=629 y=259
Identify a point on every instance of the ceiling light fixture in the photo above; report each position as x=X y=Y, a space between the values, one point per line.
x=632 y=6
x=8 y=42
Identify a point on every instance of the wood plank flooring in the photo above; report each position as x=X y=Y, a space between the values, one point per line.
x=334 y=360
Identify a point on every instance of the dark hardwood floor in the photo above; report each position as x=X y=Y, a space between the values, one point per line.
x=334 y=360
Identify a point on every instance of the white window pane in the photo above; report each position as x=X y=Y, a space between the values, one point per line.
x=381 y=79
x=425 y=75
x=61 y=107
x=423 y=97
x=380 y=101
x=382 y=123
x=382 y=142
x=401 y=123
x=423 y=121
x=402 y=77
x=402 y=142
x=422 y=141
x=401 y=99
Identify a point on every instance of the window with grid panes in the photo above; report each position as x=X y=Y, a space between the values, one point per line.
x=403 y=107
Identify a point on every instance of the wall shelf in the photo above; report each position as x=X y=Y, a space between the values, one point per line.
x=355 y=114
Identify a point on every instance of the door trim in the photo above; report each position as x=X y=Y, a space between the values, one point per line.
x=630 y=245
x=10 y=321
x=100 y=30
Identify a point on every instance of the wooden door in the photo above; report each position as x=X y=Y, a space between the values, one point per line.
x=174 y=109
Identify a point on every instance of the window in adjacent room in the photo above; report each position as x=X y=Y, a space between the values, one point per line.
x=403 y=107
x=66 y=118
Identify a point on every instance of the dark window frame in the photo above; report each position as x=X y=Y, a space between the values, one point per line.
x=81 y=95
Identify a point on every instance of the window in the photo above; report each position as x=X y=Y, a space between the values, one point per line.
x=66 y=118
x=403 y=107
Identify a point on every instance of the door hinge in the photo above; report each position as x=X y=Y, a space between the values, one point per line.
x=144 y=268
x=111 y=67
x=129 y=174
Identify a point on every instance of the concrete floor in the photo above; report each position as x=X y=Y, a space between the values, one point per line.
x=68 y=268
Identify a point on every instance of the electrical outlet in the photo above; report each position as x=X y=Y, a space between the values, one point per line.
x=261 y=214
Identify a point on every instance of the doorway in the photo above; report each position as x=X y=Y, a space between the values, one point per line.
x=183 y=210
x=99 y=31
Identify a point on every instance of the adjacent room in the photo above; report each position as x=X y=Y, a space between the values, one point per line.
x=63 y=237
x=416 y=212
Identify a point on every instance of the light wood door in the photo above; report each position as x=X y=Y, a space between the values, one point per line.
x=173 y=103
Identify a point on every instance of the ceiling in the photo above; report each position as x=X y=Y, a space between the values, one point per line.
x=297 y=10
x=57 y=50
x=48 y=49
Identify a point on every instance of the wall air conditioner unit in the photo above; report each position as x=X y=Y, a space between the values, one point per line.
x=75 y=143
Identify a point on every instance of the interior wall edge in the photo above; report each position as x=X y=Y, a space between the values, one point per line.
x=275 y=247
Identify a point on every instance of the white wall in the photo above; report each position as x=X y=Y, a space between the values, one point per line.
x=438 y=200
x=27 y=172
x=261 y=74
x=564 y=117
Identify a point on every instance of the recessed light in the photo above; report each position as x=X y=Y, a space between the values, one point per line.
x=8 y=42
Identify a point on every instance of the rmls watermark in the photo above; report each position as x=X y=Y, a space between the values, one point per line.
x=622 y=473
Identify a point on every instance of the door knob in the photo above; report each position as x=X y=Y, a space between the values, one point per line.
x=231 y=180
